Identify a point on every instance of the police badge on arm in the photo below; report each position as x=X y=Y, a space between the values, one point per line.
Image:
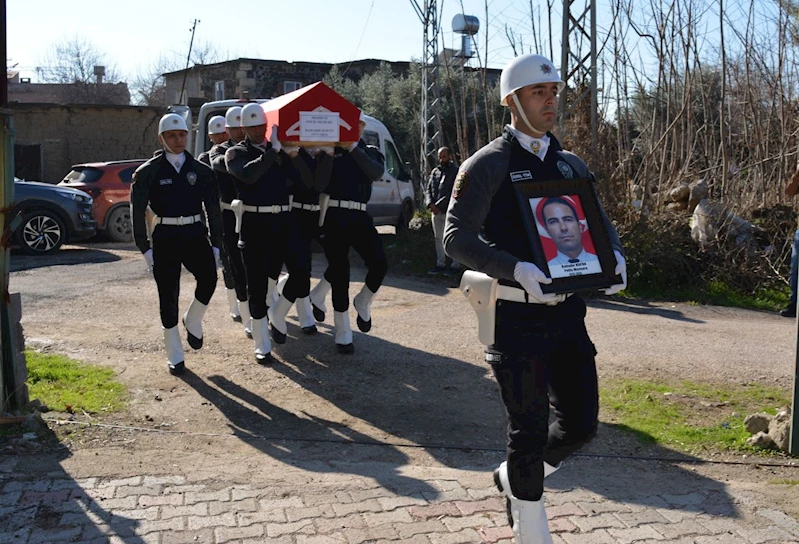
x=568 y=237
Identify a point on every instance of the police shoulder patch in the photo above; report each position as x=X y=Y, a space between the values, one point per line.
x=565 y=169
x=461 y=181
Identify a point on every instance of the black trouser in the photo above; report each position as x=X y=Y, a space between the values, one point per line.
x=542 y=355
x=343 y=229
x=169 y=253
x=269 y=241
x=307 y=222
x=232 y=263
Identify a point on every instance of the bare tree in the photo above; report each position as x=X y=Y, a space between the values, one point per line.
x=84 y=71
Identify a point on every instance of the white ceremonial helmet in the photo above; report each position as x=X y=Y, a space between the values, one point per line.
x=527 y=70
x=171 y=121
x=233 y=117
x=252 y=115
x=216 y=125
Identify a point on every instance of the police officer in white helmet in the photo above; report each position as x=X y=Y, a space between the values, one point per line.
x=177 y=187
x=536 y=343
x=264 y=173
x=232 y=264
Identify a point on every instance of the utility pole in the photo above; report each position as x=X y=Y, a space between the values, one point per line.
x=188 y=57
x=578 y=59
x=431 y=93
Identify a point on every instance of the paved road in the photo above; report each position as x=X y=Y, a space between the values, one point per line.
x=301 y=463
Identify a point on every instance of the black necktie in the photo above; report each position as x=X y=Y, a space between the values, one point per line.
x=574 y=260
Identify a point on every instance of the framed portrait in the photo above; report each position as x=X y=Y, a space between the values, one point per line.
x=569 y=240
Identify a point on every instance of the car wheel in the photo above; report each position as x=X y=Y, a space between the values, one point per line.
x=118 y=226
x=404 y=219
x=41 y=232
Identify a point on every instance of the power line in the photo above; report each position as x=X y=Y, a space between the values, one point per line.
x=363 y=32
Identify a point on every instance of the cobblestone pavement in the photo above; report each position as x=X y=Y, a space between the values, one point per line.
x=590 y=501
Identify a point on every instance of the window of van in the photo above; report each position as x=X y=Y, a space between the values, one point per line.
x=371 y=138
x=393 y=164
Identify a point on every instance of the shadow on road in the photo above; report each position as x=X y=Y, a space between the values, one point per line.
x=395 y=395
x=259 y=423
x=639 y=307
x=41 y=501
x=67 y=255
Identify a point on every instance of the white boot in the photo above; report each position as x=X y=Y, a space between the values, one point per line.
x=277 y=319
x=305 y=315
x=245 y=317
x=263 y=346
x=193 y=321
x=281 y=283
x=271 y=292
x=363 y=305
x=528 y=518
x=174 y=351
x=341 y=321
x=318 y=296
x=233 y=303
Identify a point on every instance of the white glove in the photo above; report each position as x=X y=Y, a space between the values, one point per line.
x=621 y=270
x=148 y=256
x=216 y=256
x=276 y=145
x=291 y=151
x=531 y=278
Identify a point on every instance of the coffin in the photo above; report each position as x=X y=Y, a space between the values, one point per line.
x=312 y=116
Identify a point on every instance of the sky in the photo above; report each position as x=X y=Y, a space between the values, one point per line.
x=134 y=34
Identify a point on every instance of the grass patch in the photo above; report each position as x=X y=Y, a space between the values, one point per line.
x=784 y=481
x=715 y=292
x=67 y=385
x=687 y=416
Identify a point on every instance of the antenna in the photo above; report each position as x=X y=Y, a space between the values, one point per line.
x=186 y=70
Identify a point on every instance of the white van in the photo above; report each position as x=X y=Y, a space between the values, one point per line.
x=392 y=201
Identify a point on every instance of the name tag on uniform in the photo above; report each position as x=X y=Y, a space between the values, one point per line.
x=521 y=176
x=165 y=182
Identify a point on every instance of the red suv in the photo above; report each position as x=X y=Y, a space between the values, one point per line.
x=108 y=183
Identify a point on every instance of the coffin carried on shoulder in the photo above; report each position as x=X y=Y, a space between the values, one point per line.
x=315 y=115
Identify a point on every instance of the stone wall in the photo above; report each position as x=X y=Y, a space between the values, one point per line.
x=71 y=134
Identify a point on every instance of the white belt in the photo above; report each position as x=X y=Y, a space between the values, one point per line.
x=350 y=204
x=184 y=220
x=514 y=294
x=225 y=206
x=309 y=207
x=275 y=208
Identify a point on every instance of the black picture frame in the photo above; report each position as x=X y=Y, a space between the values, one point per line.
x=569 y=277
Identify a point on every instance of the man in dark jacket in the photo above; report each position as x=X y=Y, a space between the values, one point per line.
x=538 y=345
x=177 y=187
x=437 y=193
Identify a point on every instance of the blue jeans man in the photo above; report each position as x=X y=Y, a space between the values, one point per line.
x=790 y=310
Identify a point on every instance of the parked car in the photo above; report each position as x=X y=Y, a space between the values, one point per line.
x=108 y=183
x=50 y=216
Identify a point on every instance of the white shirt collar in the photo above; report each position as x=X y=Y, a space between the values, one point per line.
x=176 y=160
x=536 y=146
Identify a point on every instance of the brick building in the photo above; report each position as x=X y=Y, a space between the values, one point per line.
x=263 y=78
x=50 y=138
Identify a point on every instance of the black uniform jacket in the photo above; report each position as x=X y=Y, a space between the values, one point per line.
x=484 y=208
x=171 y=194
x=263 y=176
x=353 y=173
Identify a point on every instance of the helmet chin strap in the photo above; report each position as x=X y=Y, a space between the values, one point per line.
x=524 y=116
x=166 y=147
